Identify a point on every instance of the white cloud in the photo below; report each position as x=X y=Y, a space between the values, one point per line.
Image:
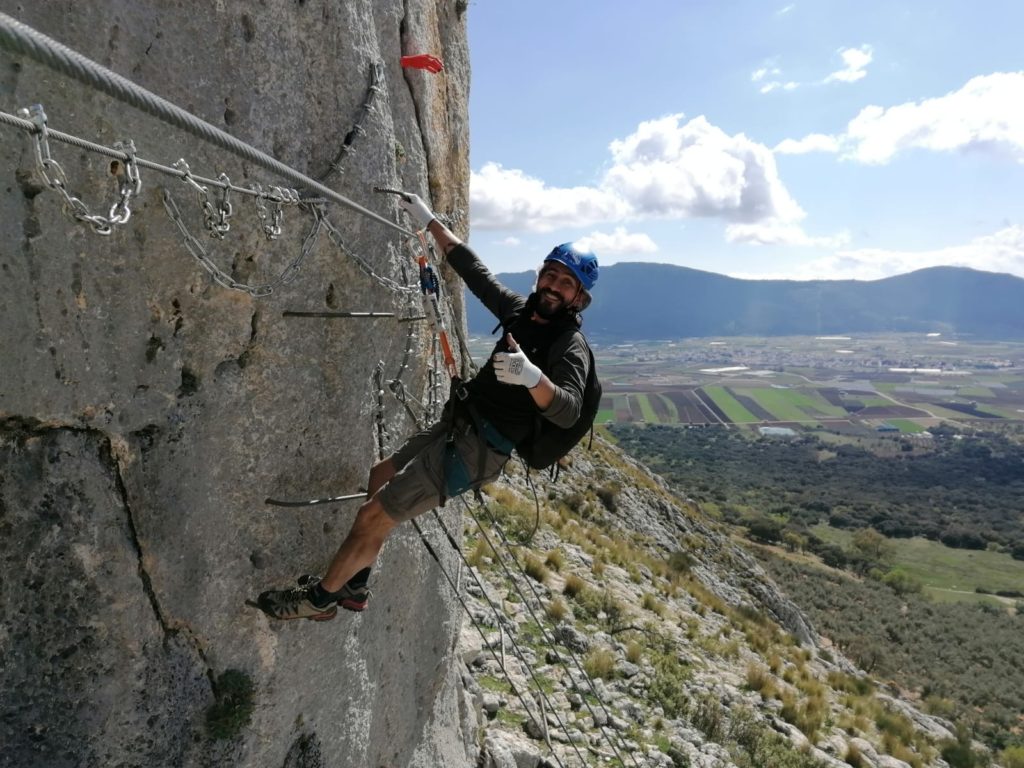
x=509 y=199
x=987 y=113
x=617 y=243
x=665 y=169
x=786 y=9
x=1002 y=251
x=761 y=73
x=855 y=61
x=674 y=170
x=813 y=142
x=510 y=241
x=781 y=233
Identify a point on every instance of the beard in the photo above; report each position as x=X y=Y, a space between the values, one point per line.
x=549 y=305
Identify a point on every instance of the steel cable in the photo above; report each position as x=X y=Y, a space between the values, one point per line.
x=20 y=38
x=533 y=615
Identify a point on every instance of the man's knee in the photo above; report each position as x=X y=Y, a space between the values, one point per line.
x=372 y=520
x=380 y=473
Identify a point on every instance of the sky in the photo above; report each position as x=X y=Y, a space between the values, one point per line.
x=833 y=139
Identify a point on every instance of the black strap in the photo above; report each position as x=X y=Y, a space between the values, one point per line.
x=461 y=403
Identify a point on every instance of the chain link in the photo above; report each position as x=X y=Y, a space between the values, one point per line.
x=387 y=282
x=223 y=278
x=280 y=196
x=369 y=107
x=126 y=172
x=219 y=226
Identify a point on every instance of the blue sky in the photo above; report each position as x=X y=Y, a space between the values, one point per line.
x=807 y=140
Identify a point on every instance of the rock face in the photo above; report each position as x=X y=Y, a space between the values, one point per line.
x=146 y=412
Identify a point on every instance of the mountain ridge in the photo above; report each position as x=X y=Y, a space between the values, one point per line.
x=646 y=300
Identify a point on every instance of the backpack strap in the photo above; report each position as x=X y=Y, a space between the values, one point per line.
x=456 y=476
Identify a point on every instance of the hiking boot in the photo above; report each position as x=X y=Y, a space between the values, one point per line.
x=350 y=597
x=354 y=598
x=294 y=604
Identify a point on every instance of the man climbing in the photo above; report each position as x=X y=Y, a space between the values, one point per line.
x=538 y=371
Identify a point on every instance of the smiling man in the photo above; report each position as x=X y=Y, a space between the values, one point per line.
x=538 y=370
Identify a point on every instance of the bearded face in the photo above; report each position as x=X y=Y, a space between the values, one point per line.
x=557 y=290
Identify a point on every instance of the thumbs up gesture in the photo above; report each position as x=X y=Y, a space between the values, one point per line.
x=514 y=367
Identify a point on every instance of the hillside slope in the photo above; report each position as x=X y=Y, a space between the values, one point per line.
x=695 y=657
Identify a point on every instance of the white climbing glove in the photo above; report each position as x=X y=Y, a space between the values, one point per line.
x=415 y=207
x=515 y=367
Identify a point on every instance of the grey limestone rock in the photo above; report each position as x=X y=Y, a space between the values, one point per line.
x=147 y=412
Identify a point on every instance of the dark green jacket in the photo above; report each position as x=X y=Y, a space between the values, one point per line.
x=558 y=348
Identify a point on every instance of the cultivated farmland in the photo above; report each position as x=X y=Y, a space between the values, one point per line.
x=902 y=384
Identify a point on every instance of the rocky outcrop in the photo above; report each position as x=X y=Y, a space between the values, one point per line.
x=146 y=412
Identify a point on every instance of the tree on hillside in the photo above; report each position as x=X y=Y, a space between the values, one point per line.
x=871 y=545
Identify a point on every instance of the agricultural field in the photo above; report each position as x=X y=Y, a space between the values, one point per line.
x=948 y=575
x=885 y=385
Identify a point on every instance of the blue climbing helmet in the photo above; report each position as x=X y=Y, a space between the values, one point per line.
x=582 y=263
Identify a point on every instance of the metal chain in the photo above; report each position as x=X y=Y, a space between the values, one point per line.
x=280 y=196
x=335 y=237
x=382 y=430
x=368 y=107
x=20 y=38
x=220 y=276
x=126 y=173
x=219 y=226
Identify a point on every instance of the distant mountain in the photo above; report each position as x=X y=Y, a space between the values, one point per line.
x=654 y=301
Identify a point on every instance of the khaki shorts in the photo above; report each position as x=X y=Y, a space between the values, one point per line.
x=419 y=469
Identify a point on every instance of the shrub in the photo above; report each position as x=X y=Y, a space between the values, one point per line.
x=668 y=685
x=232 y=706
x=937 y=705
x=840 y=681
x=557 y=610
x=1012 y=757
x=758 y=679
x=555 y=560
x=807 y=715
x=535 y=569
x=901 y=582
x=681 y=562
x=853 y=756
x=896 y=725
x=651 y=603
x=600 y=662
x=608 y=496
x=707 y=717
x=480 y=551
x=574 y=585
x=634 y=652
